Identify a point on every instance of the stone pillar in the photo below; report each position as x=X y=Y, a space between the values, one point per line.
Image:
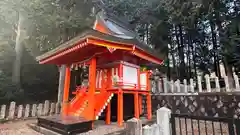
x=3 y=112
x=185 y=86
x=134 y=127
x=52 y=108
x=62 y=72
x=236 y=80
x=165 y=87
x=217 y=84
x=46 y=107
x=163 y=120
x=208 y=84
x=199 y=79
x=178 y=86
x=172 y=86
x=226 y=84
x=191 y=85
x=34 y=110
x=27 y=110
x=20 y=111
x=11 y=112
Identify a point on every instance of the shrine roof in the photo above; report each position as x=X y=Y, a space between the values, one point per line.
x=91 y=33
x=107 y=28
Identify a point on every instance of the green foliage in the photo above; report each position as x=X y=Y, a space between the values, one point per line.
x=8 y=90
x=193 y=36
x=47 y=23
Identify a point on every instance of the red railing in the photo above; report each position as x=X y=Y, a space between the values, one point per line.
x=131 y=85
x=78 y=99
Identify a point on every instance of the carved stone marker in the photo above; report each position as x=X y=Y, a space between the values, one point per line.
x=12 y=110
x=34 y=110
x=27 y=110
x=20 y=111
x=3 y=112
x=46 y=107
x=39 y=109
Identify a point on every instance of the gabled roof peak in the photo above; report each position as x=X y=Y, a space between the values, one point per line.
x=109 y=24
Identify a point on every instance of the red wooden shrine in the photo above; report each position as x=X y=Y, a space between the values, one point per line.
x=114 y=56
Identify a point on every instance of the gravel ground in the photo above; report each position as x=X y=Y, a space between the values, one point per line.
x=103 y=129
x=18 y=128
x=22 y=128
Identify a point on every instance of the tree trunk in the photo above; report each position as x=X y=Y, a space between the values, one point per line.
x=178 y=50
x=194 y=61
x=215 y=49
x=19 y=50
x=229 y=73
x=171 y=51
x=188 y=56
x=181 y=54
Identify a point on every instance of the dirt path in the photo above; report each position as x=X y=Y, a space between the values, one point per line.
x=17 y=128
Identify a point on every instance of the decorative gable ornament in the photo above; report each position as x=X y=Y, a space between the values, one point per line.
x=111 y=50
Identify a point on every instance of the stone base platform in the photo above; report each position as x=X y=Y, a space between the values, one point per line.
x=66 y=125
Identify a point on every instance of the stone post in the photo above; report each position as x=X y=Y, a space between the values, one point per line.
x=46 y=107
x=52 y=108
x=191 y=85
x=165 y=88
x=134 y=127
x=236 y=80
x=178 y=86
x=34 y=110
x=155 y=129
x=40 y=109
x=199 y=83
x=160 y=89
x=217 y=84
x=3 y=112
x=11 y=110
x=185 y=86
x=27 y=110
x=147 y=130
x=172 y=86
x=226 y=84
x=58 y=108
x=163 y=120
x=208 y=85
x=62 y=70
x=20 y=111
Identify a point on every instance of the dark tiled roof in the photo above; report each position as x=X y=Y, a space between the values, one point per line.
x=96 y=34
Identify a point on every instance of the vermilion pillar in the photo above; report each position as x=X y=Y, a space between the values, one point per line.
x=136 y=105
x=120 y=74
x=120 y=108
x=66 y=90
x=92 y=86
x=139 y=79
x=140 y=104
x=108 y=113
x=148 y=81
x=149 y=107
x=109 y=79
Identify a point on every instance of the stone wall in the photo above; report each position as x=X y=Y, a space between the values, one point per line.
x=208 y=104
